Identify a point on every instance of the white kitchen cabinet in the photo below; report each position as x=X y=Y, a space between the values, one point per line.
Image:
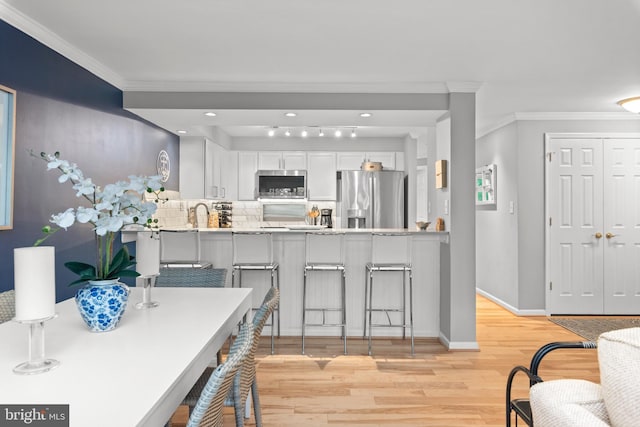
x=205 y=168
x=191 y=167
x=229 y=175
x=321 y=176
x=247 y=167
x=213 y=162
x=287 y=160
x=387 y=158
x=353 y=160
x=350 y=161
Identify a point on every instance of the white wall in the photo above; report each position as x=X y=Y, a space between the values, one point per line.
x=527 y=291
x=442 y=152
x=496 y=228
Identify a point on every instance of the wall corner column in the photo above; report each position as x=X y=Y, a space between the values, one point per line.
x=458 y=287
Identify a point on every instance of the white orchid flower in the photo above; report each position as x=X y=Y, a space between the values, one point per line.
x=84 y=215
x=64 y=219
x=108 y=224
x=84 y=187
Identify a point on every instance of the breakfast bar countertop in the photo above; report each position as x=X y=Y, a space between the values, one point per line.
x=296 y=228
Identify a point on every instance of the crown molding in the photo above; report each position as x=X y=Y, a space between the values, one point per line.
x=506 y=120
x=577 y=116
x=50 y=39
x=463 y=87
x=500 y=123
x=285 y=87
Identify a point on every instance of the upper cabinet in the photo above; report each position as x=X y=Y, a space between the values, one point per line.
x=213 y=162
x=247 y=168
x=353 y=160
x=205 y=168
x=287 y=160
x=321 y=176
x=192 y=167
x=229 y=175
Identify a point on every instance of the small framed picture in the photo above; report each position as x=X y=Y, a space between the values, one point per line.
x=7 y=154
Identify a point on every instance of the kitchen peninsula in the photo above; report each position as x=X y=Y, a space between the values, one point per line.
x=289 y=252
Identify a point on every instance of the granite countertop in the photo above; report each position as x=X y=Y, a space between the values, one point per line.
x=297 y=229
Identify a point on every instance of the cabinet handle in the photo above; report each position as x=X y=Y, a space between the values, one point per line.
x=224 y=191
x=598 y=235
x=610 y=235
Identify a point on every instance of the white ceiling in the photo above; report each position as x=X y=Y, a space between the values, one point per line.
x=570 y=57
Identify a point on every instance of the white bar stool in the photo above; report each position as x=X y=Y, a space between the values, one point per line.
x=181 y=249
x=253 y=250
x=390 y=252
x=324 y=252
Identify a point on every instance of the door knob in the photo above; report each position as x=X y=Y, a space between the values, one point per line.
x=610 y=235
x=598 y=235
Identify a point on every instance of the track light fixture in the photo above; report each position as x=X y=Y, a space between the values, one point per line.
x=310 y=131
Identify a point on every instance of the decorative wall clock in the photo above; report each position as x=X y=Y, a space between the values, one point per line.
x=163 y=164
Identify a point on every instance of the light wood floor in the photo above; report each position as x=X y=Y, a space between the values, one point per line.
x=434 y=388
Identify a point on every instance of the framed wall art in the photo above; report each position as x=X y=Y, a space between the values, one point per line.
x=7 y=154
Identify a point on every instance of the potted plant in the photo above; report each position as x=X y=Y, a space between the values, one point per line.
x=102 y=299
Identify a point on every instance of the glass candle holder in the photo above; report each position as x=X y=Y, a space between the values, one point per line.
x=148 y=282
x=37 y=362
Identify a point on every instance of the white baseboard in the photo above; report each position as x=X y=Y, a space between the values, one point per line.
x=514 y=310
x=458 y=345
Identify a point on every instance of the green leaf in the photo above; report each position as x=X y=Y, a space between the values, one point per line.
x=120 y=261
x=78 y=281
x=81 y=268
x=128 y=273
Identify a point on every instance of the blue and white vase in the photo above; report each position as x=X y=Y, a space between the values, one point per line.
x=101 y=304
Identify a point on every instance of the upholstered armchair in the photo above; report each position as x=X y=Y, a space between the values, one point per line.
x=613 y=402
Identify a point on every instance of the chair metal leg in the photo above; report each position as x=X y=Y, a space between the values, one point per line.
x=344 y=310
x=304 y=306
x=411 y=310
x=370 y=305
x=404 y=304
x=364 y=322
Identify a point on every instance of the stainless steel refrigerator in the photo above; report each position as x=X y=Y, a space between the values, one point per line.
x=371 y=199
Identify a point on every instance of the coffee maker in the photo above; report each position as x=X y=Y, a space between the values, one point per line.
x=325 y=218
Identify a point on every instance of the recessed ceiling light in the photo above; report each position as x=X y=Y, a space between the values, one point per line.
x=365 y=114
x=181 y=131
x=210 y=114
x=290 y=114
x=631 y=104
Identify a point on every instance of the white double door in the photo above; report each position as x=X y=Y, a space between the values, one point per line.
x=593 y=225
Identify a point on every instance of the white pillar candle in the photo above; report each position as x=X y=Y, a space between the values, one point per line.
x=147 y=254
x=35 y=282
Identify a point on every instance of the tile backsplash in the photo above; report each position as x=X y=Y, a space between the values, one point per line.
x=245 y=214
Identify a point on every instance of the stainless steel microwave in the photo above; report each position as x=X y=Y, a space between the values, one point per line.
x=281 y=184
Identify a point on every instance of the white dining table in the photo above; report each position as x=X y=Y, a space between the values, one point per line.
x=134 y=375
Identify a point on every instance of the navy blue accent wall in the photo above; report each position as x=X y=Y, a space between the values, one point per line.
x=63 y=107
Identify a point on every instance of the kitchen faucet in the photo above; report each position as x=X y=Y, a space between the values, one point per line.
x=193 y=214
